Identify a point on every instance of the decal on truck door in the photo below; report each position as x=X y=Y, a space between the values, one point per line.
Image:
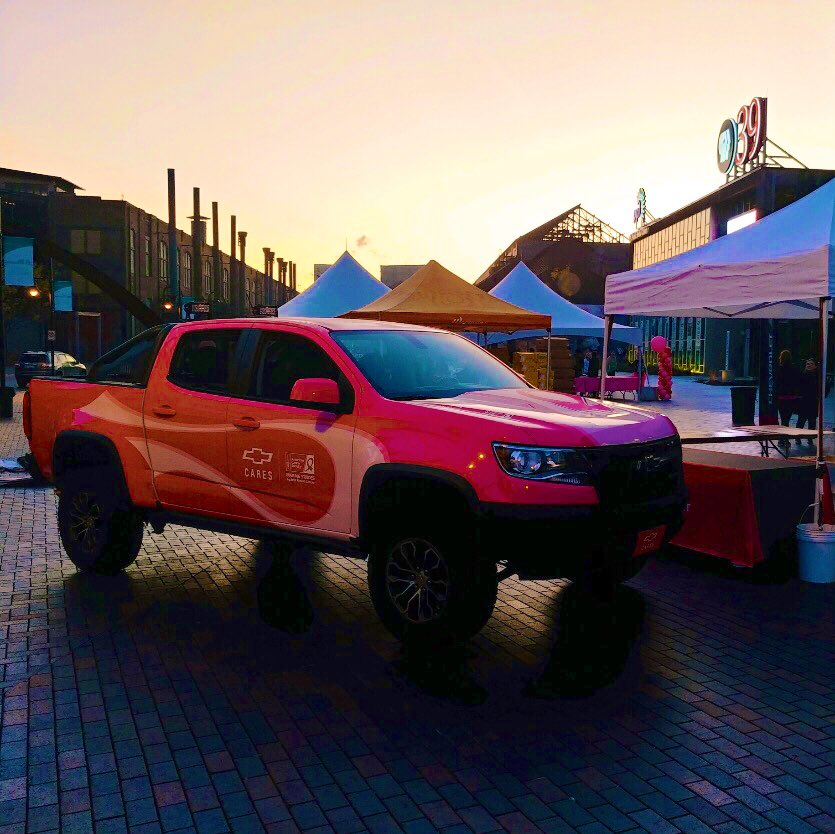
x=300 y=468
x=293 y=469
x=258 y=457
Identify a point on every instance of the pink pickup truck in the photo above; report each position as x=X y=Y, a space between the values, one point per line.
x=409 y=447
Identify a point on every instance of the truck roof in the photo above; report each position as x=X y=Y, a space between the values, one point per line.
x=321 y=323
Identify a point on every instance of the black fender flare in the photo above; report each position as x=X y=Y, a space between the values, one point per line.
x=378 y=474
x=103 y=455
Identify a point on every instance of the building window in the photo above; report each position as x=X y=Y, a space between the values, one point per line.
x=162 y=250
x=132 y=253
x=225 y=283
x=187 y=271
x=147 y=256
x=207 y=276
x=85 y=242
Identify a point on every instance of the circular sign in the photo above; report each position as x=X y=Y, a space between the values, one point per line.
x=726 y=145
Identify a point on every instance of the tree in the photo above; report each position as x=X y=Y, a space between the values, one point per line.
x=17 y=302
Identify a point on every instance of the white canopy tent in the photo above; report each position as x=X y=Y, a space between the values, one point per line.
x=524 y=288
x=342 y=287
x=782 y=266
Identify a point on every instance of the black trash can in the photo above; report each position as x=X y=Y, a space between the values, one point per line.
x=6 y=406
x=743 y=403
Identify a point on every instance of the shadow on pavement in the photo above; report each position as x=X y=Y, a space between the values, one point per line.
x=594 y=646
x=269 y=626
x=283 y=601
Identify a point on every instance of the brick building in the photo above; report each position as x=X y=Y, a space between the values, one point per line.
x=130 y=246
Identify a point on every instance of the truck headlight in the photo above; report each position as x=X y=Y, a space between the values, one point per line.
x=563 y=466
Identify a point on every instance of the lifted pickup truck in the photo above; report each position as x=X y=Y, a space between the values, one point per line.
x=408 y=446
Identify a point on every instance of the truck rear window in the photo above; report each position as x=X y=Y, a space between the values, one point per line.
x=129 y=363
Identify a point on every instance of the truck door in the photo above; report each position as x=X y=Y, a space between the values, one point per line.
x=291 y=461
x=185 y=419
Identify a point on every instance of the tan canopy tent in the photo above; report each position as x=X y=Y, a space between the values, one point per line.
x=436 y=297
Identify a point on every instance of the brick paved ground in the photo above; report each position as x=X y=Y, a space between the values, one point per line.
x=209 y=690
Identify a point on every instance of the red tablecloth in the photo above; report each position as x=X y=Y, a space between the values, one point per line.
x=743 y=508
x=721 y=520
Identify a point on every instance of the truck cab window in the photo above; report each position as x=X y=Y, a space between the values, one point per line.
x=204 y=359
x=129 y=363
x=285 y=358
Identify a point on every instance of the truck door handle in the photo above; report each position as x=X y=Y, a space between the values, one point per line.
x=164 y=411
x=246 y=423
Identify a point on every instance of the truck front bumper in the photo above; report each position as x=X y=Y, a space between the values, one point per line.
x=571 y=542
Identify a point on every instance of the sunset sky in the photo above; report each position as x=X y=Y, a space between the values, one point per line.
x=414 y=130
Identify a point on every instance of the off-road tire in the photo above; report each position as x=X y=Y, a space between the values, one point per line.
x=99 y=531
x=469 y=596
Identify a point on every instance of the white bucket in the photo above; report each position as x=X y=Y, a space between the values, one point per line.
x=816 y=552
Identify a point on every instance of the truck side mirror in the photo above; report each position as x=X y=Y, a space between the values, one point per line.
x=316 y=390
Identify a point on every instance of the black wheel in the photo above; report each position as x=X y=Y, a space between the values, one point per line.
x=99 y=533
x=431 y=587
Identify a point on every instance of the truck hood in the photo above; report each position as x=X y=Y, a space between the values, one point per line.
x=527 y=415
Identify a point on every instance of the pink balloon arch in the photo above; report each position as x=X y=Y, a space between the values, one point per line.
x=665 y=367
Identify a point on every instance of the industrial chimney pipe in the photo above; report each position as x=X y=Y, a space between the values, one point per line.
x=245 y=302
x=233 y=268
x=173 y=260
x=217 y=275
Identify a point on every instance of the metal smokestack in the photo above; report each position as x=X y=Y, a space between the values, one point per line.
x=266 y=251
x=173 y=260
x=197 y=248
x=216 y=269
x=245 y=302
x=282 y=265
x=234 y=295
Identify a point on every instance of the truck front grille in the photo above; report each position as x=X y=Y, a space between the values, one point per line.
x=636 y=473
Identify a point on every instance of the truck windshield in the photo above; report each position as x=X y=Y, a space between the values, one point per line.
x=421 y=365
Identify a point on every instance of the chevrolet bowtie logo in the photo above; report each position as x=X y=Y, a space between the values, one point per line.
x=258 y=456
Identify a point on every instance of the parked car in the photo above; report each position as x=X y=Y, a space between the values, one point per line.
x=410 y=447
x=34 y=363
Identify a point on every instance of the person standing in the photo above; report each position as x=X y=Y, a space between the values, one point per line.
x=588 y=364
x=807 y=408
x=786 y=387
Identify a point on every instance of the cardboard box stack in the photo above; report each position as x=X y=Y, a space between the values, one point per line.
x=533 y=366
x=530 y=364
x=501 y=352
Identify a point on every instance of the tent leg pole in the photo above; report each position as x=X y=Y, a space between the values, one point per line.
x=607 y=326
x=823 y=339
x=548 y=365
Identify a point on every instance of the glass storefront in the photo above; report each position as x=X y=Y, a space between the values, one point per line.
x=686 y=335
x=687 y=234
